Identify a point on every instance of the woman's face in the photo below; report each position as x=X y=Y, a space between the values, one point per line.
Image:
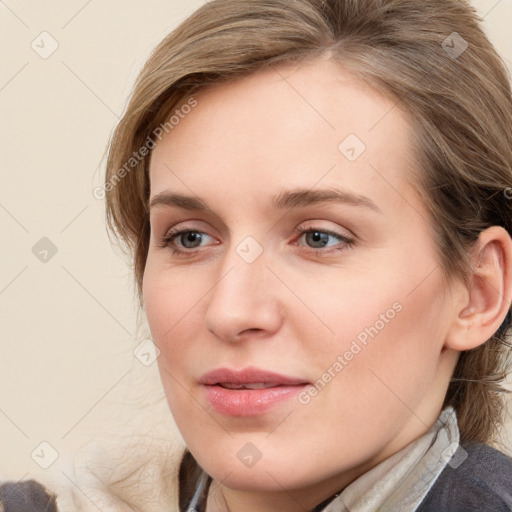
x=356 y=305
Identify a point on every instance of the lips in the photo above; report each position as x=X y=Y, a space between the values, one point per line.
x=255 y=385
x=247 y=377
x=250 y=391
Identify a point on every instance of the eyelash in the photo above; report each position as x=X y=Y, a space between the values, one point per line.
x=168 y=240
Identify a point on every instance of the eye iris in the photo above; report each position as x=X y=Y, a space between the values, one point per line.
x=317 y=236
x=190 y=237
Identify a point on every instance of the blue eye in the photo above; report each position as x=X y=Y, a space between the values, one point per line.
x=320 y=238
x=192 y=237
x=190 y=240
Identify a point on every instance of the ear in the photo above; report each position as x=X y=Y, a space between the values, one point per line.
x=484 y=305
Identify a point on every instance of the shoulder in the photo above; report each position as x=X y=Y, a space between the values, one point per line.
x=479 y=479
x=26 y=495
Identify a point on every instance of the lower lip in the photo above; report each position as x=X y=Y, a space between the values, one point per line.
x=249 y=402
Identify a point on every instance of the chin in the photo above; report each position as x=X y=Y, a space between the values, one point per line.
x=252 y=480
x=266 y=475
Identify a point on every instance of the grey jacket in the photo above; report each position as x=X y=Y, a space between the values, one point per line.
x=482 y=483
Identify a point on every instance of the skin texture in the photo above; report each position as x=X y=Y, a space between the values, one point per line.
x=300 y=305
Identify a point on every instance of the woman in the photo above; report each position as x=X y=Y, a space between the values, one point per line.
x=316 y=195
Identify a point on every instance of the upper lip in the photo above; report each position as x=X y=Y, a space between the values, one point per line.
x=249 y=375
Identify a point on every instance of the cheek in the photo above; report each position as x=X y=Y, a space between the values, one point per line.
x=171 y=298
x=388 y=325
x=169 y=312
x=344 y=309
x=397 y=360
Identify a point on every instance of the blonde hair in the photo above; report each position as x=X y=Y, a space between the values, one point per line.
x=458 y=100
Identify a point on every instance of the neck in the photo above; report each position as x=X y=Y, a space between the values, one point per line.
x=310 y=499
x=306 y=498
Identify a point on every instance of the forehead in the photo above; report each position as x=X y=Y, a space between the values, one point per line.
x=313 y=124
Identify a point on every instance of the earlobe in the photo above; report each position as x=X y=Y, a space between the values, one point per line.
x=488 y=297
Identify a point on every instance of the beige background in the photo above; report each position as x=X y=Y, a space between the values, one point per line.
x=67 y=366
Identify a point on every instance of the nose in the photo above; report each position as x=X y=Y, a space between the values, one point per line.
x=245 y=301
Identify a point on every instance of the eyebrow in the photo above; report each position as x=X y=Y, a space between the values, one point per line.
x=287 y=199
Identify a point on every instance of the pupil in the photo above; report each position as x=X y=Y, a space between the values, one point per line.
x=319 y=237
x=191 y=237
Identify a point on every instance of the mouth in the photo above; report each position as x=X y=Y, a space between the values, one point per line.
x=249 y=392
x=255 y=385
x=250 y=376
x=249 y=401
